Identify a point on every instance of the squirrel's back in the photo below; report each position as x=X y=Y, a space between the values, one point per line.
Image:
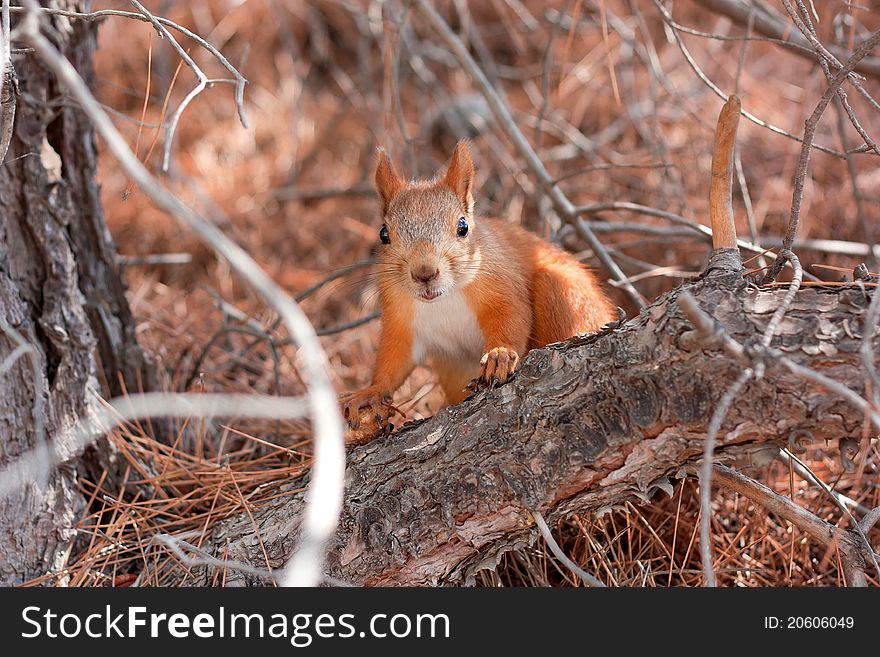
x=564 y=295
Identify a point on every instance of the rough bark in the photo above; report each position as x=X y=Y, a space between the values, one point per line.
x=584 y=426
x=60 y=289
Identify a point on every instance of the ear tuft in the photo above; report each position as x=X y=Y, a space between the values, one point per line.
x=388 y=183
x=460 y=175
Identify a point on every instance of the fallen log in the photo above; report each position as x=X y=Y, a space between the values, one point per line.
x=583 y=427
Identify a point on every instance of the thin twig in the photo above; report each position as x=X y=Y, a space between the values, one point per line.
x=201 y=85
x=779 y=313
x=706 y=474
x=176 y=544
x=858 y=196
x=310 y=195
x=546 y=74
x=347 y=326
x=638 y=208
x=775 y=29
x=804 y=159
x=871 y=518
x=869 y=550
x=240 y=80
x=866 y=349
x=588 y=579
x=717 y=90
x=825 y=60
x=784 y=456
x=154 y=259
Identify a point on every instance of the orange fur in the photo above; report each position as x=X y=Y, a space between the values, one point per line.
x=453 y=380
x=519 y=292
x=395 y=343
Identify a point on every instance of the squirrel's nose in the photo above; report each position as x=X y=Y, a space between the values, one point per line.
x=425 y=275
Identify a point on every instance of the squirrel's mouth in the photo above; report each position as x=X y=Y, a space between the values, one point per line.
x=430 y=294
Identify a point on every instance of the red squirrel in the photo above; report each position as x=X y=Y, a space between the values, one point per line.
x=468 y=295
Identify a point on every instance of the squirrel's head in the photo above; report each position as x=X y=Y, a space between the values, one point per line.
x=428 y=236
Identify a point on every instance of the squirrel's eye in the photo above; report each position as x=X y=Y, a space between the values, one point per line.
x=383 y=235
x=462 y=227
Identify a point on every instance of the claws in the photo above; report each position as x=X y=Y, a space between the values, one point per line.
x=496 y=367
x=367 y=413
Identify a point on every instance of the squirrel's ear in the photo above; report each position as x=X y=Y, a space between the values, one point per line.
x=388 y=183
x=460 y=175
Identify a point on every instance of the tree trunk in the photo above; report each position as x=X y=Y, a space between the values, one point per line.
x=60 y=289
x=584 y=426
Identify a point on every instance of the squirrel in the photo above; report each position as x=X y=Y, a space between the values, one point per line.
x=469 y=295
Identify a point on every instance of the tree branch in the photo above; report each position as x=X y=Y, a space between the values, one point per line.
x=774 y=26
x=826 y=534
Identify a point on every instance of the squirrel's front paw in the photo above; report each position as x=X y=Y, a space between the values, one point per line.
x=367 y=412
x=496 y=366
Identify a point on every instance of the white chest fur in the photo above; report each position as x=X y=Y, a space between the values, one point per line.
x=447 y=329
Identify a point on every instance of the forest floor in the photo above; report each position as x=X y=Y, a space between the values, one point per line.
x=619 y=113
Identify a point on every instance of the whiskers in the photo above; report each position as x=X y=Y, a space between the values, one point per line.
x=333 y=276
x=462 y=265
x=354 y=286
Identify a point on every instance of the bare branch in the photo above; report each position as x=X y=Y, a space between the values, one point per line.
x=715 y=89
x=240 y=80
x=706 y=473
x=824 y=533
x=772 y=25
x=858 y=195
x=310 y=195
x=176 y=545
x=871 y=518
x=199 y=88
x=347 y=326
x=27 y=467
x=804 y=159
x=784 y=456
x=588 y=579
x=857 y=526
x=867 y=349
x=824 y=57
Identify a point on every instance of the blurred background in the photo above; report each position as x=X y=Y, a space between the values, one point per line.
x=620 y=102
